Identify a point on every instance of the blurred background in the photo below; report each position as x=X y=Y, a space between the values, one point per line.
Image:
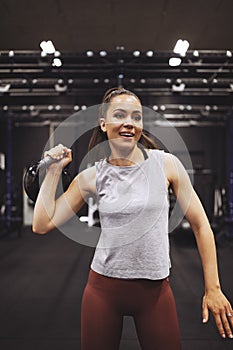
x=57 y=59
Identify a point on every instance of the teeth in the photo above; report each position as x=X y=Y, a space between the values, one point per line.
x=126 y=134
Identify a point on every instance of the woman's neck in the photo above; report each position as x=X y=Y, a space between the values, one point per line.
x=126 y=158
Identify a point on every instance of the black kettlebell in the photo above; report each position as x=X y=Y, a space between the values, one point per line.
x=34 y=176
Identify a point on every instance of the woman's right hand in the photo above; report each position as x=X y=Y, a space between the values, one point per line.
x=61 y=154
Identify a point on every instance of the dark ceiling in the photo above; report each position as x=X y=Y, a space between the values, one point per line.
x=77 y=26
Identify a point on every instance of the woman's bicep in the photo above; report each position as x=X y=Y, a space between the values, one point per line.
x=186 y=195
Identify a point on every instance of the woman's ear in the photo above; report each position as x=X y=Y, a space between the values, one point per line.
x=102 y=124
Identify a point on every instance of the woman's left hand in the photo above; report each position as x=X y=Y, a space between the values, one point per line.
x=217 y=303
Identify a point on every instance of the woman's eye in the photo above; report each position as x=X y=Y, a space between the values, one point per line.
x=137 y=117
x=119 y=115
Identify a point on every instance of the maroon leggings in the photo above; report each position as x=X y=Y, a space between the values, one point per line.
x=151 y=303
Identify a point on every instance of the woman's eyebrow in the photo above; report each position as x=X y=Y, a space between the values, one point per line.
x=123 y=110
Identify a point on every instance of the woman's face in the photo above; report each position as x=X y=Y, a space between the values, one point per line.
x=123 y=121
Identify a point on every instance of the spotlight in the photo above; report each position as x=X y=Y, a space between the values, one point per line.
x=5 y=87
x=136 y=53
x=142 y=81
x=215 y=81
x=132 y=80
x=11 y=53
x=162 y=108
x=168 y=80
x=57 y=53
x=50 y=107
x=70 y=81
x=120 y=76
x=174 y=61
x=195 y=53
x=84 y=107
x=106 y=81
x=43 y=54
x=150 y=53
x=96 y=81
x=103 y=53
x=34 y=81
x=229 y=53
x=155 y=108
x=76 y=107
x=205 y=81
x=90 y=53
x=5 y=108
x=58 y=107
x=47 y=47
x=60 y=86
x=181 y=47
x=24 y=108
x=57 y=62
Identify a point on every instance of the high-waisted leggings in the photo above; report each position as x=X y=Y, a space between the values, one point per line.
x=151 y=303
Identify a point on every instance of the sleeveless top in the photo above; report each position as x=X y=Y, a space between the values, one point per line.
x=133 y=208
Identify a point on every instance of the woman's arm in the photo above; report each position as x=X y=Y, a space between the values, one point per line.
x=213 y=299
x=50 y=213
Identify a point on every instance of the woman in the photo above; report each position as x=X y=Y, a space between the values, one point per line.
x=130 y=269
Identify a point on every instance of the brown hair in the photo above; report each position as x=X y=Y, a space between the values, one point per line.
x=98 y=136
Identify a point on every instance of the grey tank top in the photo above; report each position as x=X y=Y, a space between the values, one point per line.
x=133 y=207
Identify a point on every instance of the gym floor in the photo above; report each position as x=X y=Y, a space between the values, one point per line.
x=42 y=281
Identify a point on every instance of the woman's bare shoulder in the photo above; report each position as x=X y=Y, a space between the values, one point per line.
x=87 y=180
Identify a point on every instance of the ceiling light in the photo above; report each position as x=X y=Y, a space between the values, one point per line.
x=215 y=81
x=24 y=108
x=136 y=53
x=150 y=53
x=5 y=87
x=84 y=107
x=120 y=76
x=174 y=61
x=162 y=108
x=142 y=81
x=43 y=54
x=47 y=46
x=11 y=53
x=132 y=80
x=76 y=107
x=168 y=80
x=103 y=53
x=57 y=62
x=89 y=53
x=106 y=81
x=195 y=53
x=205 y=81
x=58 y=107
x=178 y=88
x=229 y=53
x=60 y=87
x=181 y=47
x=5 y=108
x=189 y=108
x=50 y=107
x=155 y=108
x=96 y=81
x=34 y=81
x=70 y=81
x=57 y=53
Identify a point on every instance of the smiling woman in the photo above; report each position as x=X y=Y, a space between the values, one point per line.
x=120 y=118
x=130 y=268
